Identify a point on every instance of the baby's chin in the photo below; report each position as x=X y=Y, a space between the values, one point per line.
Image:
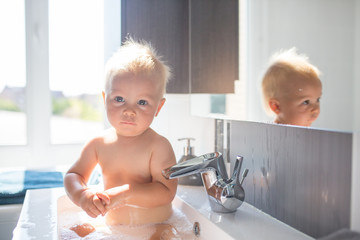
x=130 y=133
x=307 y=123
x=312 y=119
x=304 y=123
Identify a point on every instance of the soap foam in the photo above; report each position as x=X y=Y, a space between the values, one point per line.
x=140 y=232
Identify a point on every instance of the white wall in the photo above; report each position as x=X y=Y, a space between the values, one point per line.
x=323 y=30
x=355 y=201
x=175 y=121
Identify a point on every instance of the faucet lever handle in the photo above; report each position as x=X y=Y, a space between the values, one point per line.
x=244 y=176
x=237 y=169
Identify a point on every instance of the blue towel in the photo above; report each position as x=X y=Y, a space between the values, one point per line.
x=13 y=184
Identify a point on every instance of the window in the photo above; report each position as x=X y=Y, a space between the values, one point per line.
x=12 y=73
x=54 y=71
x=76 y=59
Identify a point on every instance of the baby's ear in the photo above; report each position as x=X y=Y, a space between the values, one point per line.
x=161 y=104
x=274 y=105
x=103 y=95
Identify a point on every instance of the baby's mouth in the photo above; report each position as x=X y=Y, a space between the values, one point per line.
x=314 y=117
x=127 y=122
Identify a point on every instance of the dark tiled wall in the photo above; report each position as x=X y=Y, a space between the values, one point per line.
x=300 y=176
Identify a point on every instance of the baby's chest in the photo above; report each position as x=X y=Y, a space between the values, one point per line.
x=126 y=162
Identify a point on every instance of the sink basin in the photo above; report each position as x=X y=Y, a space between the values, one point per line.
x=192 y=224
x=41 y=218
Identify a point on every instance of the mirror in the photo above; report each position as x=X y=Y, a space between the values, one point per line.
x=323 y=30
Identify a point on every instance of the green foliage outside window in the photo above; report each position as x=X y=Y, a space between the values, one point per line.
x=64 y=107
x=75 y=108
x=8 y=105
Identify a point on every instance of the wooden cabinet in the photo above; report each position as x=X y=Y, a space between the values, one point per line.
x=165 y=24
x=197 y=38
x=214 y=45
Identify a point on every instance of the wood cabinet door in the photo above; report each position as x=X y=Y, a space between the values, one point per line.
x=198 y=39
x=165 y=24
x=214 y=45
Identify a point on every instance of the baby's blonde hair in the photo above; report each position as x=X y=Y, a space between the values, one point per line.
x=283 y=65
x=137 y=58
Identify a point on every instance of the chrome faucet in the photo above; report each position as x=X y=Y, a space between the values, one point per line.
x=225 y=195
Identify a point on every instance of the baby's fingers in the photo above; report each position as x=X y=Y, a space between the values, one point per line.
x=103 y=197
x=99 y=205
x=92 y=212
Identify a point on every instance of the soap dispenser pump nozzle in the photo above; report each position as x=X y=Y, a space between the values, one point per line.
x=188 y=149
x=194 y=179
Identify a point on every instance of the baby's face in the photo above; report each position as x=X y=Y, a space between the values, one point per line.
x=301 y=104
x=132 y=103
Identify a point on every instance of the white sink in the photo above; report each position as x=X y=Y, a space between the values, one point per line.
x=39 y=217
x=187 y=218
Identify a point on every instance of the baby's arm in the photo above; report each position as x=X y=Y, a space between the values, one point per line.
x=158 y=192
x=76 y=178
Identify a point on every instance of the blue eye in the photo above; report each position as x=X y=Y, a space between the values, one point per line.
x=318 y=100
x=142 y=102
x=119 y=99
x=307 y=102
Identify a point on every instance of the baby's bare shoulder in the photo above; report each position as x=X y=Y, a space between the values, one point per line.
x=159 y=141
x=101 y=139
x=162 y=155
x=162 y=149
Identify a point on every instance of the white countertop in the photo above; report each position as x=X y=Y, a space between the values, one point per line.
x=38 y=219
x=247 y=222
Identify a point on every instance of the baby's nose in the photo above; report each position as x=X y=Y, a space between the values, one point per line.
x=129 y=112
x=316 y=107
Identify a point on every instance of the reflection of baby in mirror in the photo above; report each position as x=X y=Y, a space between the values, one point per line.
x=292 y=89
x=130 y=154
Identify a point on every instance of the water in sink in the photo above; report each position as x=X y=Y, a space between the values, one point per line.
x=70 y=215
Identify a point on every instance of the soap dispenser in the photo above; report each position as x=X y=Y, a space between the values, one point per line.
x=194 y=179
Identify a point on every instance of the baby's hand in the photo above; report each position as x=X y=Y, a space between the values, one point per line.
x=91 y=204
x=114 y=197
x=104 y=198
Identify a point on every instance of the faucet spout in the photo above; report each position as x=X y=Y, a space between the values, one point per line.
x=203 y=163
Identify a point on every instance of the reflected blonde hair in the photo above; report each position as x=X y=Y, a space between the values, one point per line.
x=137 y=58
x=283 y=66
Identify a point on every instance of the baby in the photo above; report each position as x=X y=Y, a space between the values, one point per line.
x=131 y=154
x=292 y=89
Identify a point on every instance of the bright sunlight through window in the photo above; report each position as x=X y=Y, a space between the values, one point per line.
x=12 y=73
x=76 y=58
